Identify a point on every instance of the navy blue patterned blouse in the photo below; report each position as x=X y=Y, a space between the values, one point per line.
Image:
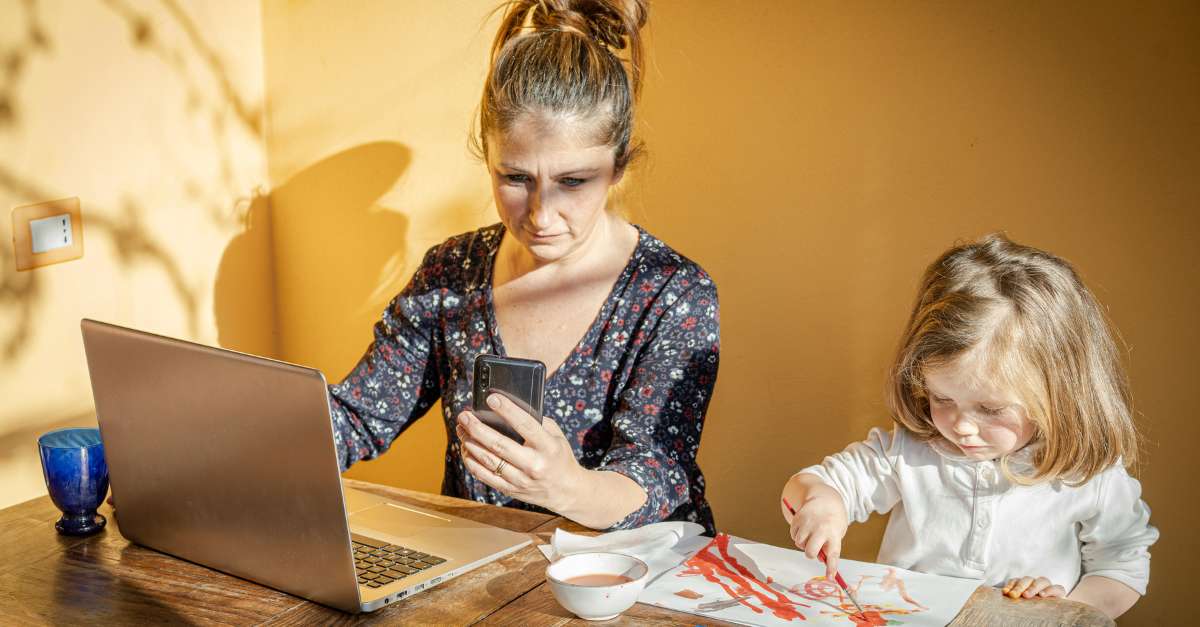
x=630 y=398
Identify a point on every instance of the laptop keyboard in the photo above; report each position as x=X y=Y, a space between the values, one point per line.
x=379 y=563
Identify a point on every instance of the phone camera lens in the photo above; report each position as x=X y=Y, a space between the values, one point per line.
x=485 y=376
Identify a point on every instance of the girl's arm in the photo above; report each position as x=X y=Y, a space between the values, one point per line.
x=803 y=488
x=820 y=521
x=1115 y=545
x=863 y=476
x=846 y=486
x=1107 y=595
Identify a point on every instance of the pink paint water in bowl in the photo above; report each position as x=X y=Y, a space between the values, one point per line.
x=597 y=586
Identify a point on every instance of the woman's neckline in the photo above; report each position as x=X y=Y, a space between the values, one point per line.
x=605 y=309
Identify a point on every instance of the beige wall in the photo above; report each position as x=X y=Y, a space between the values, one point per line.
x=151 y=113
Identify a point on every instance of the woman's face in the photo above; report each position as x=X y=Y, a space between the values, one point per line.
x=550 y=179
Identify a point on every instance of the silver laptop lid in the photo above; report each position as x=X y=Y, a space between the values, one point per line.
x=223 y=459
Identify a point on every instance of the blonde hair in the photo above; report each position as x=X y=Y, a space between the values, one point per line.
x=1034 y=326
x=560 y=57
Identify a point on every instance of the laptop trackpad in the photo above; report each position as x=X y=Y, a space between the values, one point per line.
x=396 y=520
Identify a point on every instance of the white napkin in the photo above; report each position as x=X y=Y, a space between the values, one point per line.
x=662 y=546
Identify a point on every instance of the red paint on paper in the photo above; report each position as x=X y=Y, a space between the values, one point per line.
x=713 y=565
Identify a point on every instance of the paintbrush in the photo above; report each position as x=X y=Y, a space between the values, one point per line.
x=836 y=575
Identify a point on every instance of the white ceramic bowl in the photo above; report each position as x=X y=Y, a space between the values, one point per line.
x=597 y=602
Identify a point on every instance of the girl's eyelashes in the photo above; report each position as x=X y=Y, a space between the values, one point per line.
x=516 y=179
x=983 y=409
x=571 y=181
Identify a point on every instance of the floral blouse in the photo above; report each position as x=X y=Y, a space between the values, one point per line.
x=630 y=398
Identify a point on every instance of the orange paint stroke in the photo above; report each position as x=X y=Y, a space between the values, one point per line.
x=715 y=565
x=869 y=618
x=892 y=582
x=819 y=588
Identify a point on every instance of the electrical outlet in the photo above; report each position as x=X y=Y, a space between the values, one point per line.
x=47 y=232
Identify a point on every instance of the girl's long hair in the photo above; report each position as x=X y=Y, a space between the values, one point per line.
x=1025 y=316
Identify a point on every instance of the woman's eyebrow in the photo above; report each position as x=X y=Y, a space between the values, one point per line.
x=581 y=171
x=577 y=172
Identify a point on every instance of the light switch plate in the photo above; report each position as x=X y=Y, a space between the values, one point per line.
x=50 y=233
x=47 y=232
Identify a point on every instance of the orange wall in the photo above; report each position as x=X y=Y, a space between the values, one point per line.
x=151 y=113
x=816 y=156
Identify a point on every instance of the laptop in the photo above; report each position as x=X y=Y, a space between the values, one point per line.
x=227 y=460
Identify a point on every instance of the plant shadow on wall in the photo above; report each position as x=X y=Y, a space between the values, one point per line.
x=18 y=291
x=131 y=241
x=120 y=237
x=164 y=31
x=324 y=221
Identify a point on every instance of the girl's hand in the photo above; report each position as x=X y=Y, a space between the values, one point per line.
x=1030 y=587
x=820 y=523
x=542 y=472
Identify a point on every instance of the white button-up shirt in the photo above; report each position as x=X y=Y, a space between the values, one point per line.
x=962 y=518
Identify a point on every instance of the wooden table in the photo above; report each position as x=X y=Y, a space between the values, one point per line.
x=50 y=579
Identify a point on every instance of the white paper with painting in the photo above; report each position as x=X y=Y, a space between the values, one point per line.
x=740 y=581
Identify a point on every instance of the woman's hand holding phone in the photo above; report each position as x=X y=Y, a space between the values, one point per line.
x=543 y=471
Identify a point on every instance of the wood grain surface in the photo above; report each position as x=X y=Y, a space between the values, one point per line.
x=988 y=607
x=50 y=579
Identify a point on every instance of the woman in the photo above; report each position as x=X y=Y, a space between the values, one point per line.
x=627 y=328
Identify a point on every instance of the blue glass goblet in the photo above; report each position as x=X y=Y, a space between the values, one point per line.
x=76 y=477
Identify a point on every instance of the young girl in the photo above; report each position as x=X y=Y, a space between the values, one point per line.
x=1013 y=430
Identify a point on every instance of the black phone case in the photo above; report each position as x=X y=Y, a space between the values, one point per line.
x=519 y=380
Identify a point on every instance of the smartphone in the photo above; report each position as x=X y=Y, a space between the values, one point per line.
x=519 y=380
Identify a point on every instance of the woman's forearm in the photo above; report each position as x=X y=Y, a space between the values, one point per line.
x=1107 y=595
x=622 y=497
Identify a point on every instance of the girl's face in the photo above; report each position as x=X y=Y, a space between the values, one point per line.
x=983 y=421
x=550 y=179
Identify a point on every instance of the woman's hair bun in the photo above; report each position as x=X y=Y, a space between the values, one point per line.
x=610 y=22
x=579 y=57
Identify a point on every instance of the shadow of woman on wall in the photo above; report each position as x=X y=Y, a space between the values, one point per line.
x=327 y=218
